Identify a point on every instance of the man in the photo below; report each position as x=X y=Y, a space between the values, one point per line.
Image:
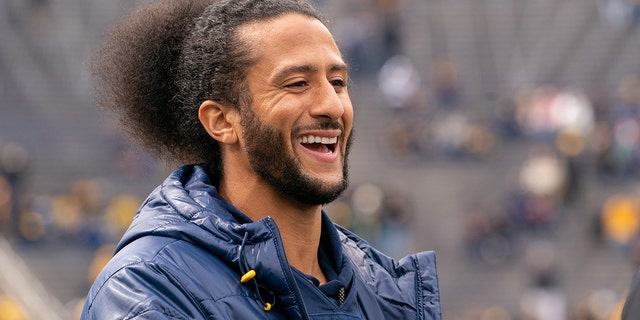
x=255 y=91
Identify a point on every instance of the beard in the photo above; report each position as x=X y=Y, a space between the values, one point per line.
x=270 y=159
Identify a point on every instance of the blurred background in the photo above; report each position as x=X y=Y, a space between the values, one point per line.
x=503 y=134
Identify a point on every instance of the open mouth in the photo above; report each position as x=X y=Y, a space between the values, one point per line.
x=319 y=144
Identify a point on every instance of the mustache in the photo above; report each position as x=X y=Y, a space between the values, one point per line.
x=334 y=125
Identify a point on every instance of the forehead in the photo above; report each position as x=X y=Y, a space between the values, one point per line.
x=288 y=37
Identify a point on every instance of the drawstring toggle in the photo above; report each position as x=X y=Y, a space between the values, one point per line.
x=248 y=276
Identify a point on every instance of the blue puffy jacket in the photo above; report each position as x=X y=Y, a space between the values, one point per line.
x=187 y=248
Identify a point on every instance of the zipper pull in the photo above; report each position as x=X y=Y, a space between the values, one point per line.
x=341 y=296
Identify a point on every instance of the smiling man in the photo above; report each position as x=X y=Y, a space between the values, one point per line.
x=256 y=93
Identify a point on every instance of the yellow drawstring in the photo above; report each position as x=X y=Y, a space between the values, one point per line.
x=248 y=276
x=251 y=274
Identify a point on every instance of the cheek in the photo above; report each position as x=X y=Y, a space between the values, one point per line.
x=281 y=112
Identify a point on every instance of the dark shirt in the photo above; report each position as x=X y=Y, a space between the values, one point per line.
x=329 y=297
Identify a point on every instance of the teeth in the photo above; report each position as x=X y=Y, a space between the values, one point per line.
x=316 y=139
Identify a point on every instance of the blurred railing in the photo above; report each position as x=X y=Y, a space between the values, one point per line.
x=17 y=282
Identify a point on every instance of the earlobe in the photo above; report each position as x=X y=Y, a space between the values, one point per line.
x=218 y=120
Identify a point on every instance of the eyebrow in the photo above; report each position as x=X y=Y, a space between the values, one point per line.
x=306 y=68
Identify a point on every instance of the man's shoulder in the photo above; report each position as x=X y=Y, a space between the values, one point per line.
x=359 y=249
x=163 y=271
x=412 y=281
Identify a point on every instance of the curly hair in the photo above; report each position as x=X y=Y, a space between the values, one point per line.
x=163 y=60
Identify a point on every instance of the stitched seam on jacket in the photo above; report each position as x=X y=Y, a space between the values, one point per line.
x=176 y=280
x=171 y=315
x=279 y=252
x=419 y=297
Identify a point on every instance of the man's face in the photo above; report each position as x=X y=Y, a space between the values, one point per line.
x=298 y=128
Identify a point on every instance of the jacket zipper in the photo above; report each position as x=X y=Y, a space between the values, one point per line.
x=286 y=270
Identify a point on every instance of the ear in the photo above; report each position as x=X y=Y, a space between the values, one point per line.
x=219 y=121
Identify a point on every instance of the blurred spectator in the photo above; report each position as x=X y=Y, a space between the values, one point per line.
x=505 y=118
x=571 y=146
x=622 y=152
x=620 y=219
x=601 y=145
x=399 y=137
x=89 y=194
x=371 y=33
x=14 y=166
x=480 y=140
x=450 y=133
x=601 y=304
x=366 y=201
x=543 y=304
x=622 y=14
x=381 y=214
x=32 y=226
x=542 y=173
x=488 y=237
x=547 y=110
x=399 y=81
x=355 y=33
x=536 y=119
x=628 y=94
x=446 y=83
x=541 y=259
x=534 y=204
x=76 y=215
x=396 y=216
x=543 y=300
x=341 y=213
x=571 y=110
x=389 y=13
x=119 y=214
x=69 y=221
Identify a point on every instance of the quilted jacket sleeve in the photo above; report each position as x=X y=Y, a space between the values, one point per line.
x=126 y=295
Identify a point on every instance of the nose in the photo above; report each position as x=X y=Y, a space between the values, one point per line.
x=329 y=104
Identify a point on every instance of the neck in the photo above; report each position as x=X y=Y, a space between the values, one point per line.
x=300 y=225
x=301 y=240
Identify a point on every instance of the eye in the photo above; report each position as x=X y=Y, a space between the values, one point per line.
x=339 y=83
x=297 y=84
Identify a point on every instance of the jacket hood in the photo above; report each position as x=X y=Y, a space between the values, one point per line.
x=187 y=207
